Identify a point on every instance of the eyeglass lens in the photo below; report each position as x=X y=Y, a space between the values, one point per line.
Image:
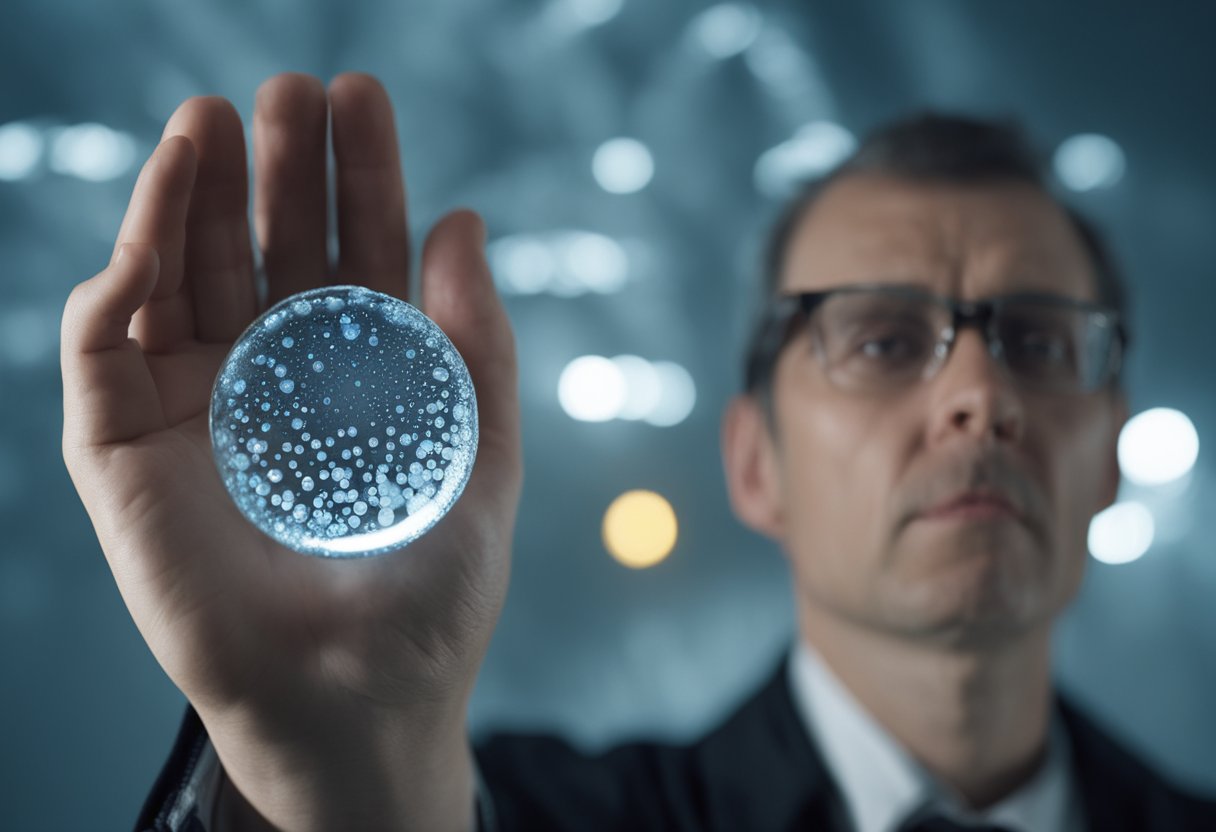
x=875 y=341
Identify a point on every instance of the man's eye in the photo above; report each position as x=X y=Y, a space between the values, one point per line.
x=1042 y=346
x=890 y=346
x=885 y=347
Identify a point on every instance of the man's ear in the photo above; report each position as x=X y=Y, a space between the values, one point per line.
x=749 y=457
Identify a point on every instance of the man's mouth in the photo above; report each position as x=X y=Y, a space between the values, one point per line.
x=973 y=506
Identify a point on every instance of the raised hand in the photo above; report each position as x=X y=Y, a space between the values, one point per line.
x=334 y=691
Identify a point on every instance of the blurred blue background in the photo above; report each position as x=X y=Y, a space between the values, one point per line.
x=605 y=247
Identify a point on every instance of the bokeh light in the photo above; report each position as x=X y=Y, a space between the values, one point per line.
x=622 y=166
x=1121 y=533
x=20 y=150
x=814 y=149
x=566 y=263
x=643 y=386
x=1089 y=161
x=726 y=30
x=1158 y=446
x=92 y=152
x=597 y=389
x=678 y=397
x=640 y=529
x=591 y=389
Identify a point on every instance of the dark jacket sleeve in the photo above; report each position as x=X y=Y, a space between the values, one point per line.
x=541 y=783
x=162 y=810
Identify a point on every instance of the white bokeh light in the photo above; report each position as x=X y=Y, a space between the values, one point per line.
x=523 y=264
x=643 y=385
x=92 y=152
x=597 y=262
x=622 y=166
x=20 y=150
x=569 y=18
x=565 y=263
x=678 y=396
x=591 y=389
x=725 y=30
x=1121 y=533
x=814 y=149
x=594 y=12
x=1158 y=446
x=1088 y=161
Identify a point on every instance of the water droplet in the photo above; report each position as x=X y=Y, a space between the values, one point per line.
x=287 y=385
x=440 y=374
x=288 y=341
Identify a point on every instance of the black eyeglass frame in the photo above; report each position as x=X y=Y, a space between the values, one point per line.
x=776 y=327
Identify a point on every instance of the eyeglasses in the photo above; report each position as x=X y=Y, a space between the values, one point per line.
x=882 y=338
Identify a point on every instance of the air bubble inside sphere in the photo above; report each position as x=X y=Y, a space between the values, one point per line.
x=344 y=422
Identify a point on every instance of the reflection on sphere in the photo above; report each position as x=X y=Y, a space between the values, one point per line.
x=344 y=422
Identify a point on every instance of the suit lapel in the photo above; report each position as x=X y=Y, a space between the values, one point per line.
x=761 y=772
x=1110 y=781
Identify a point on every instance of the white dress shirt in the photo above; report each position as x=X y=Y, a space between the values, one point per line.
x=882 y=784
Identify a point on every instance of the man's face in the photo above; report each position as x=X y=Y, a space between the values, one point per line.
x=847 y=479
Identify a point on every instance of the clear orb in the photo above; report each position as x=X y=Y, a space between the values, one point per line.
x=344 y=422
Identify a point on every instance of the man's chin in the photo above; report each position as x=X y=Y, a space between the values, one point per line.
x=976 y=600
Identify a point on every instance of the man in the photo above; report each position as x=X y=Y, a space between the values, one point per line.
x=929 y=423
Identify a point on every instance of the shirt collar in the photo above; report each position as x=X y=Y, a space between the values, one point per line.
x=882 y=784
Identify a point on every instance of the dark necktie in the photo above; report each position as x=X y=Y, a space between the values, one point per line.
x=937 y=823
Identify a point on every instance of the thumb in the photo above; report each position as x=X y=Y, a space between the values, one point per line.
x=459 y=295
x=108 y=393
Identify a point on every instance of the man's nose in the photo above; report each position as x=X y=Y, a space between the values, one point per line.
x=974 y=394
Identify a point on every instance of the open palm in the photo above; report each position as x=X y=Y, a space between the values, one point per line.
x=236 y=620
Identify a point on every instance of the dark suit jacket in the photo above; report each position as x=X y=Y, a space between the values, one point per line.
x=756 y=772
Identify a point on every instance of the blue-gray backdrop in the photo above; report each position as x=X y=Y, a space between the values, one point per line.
x=507 y=106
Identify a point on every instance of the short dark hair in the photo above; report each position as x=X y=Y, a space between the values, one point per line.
x=936 y=147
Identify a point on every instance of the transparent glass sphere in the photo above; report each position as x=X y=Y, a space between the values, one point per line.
x=343 y=422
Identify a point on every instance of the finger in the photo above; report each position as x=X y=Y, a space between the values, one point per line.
x=108 y=393
x=218 y=255
x=373 y=242
x=156 y=217
x=460 y=297
x=289 y=123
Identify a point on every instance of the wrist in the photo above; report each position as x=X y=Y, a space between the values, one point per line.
x=413 y=776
